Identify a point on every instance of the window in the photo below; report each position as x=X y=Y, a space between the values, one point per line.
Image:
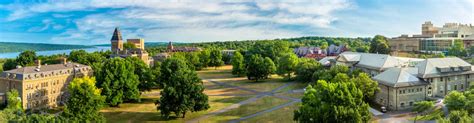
x=468 y=76
x=455 y=87
x=449 y=78
x=449 y=87
x=402 y=104
x=441 y=79
x=411 y=103
x=403 y=91
x=462 y=86
x=400 y=91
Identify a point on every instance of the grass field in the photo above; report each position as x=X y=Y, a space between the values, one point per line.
x=220 y=97
x=146 y=110
x=248 y=109
x=283 y=115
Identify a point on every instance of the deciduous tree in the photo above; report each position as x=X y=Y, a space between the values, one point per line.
x=332 y=103
x=368 y=86
x=26 y=58
x=85 y=101
x=118 y=81
x=379 y=45
x=238 y=66
x=455 y=100
x=305 y=69
x=287 y=65
x=216 y=58
x=182 y=89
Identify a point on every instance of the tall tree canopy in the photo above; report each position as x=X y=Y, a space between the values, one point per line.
x=368 y=86
x=9 y=64
x=84 y=101
x=215 y=58
x=205 y=57
x=332 y=103
x=259 y=68
x=287 y=65
x=182 y=89
x=379 y=45
x=146 y=78
x=238 y=66
x=118 y=81
x=455 y=100
x=305 y=69
x=26 y=58
x=457 y=49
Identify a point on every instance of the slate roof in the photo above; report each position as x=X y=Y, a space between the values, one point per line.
x=433 y=67
x=399 y=77
x=117 y=35
x=44 y=68
x=378 y=61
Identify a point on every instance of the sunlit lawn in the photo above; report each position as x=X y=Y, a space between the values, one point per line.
x=294 y=86
x=282 y=115
x=146 y=110
x=248 y=109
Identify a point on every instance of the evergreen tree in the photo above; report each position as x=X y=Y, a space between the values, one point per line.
x=287 y=65
x=84 y=101
x=238 y=66
x=183 y=90
x=118 y=81
x=332 y=103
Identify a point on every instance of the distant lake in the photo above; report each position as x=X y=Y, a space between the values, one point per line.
x=53 y=52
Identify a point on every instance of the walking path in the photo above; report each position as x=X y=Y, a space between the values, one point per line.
x=257 y=94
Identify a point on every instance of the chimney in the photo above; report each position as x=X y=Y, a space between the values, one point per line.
x=38 y=62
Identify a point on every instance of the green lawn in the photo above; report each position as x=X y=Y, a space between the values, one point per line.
x=248 y=109
x=294 y=86
x=282 y=115
x=146 y=110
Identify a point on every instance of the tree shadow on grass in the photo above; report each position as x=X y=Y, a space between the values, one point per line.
x=122 y=117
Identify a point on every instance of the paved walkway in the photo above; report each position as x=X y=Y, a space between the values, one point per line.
x=257 y=94
x=375 y=112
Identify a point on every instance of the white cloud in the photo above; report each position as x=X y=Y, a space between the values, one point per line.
x=182 y=20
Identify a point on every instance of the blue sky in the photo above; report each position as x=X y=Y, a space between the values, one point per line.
x=93 y=21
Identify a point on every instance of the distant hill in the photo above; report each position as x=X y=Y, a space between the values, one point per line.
x=6 y=47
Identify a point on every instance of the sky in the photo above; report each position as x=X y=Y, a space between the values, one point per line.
x=90 y=22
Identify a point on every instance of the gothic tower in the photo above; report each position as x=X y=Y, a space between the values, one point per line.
x=116 y=41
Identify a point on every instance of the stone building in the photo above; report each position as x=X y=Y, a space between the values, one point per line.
x=119 y=51
x=404 y=81
x=41 y=86
x=433 y=39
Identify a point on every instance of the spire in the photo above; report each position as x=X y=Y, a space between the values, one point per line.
x=117 y=35
x=170 y=47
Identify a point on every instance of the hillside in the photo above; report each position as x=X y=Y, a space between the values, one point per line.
x=6 y=47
